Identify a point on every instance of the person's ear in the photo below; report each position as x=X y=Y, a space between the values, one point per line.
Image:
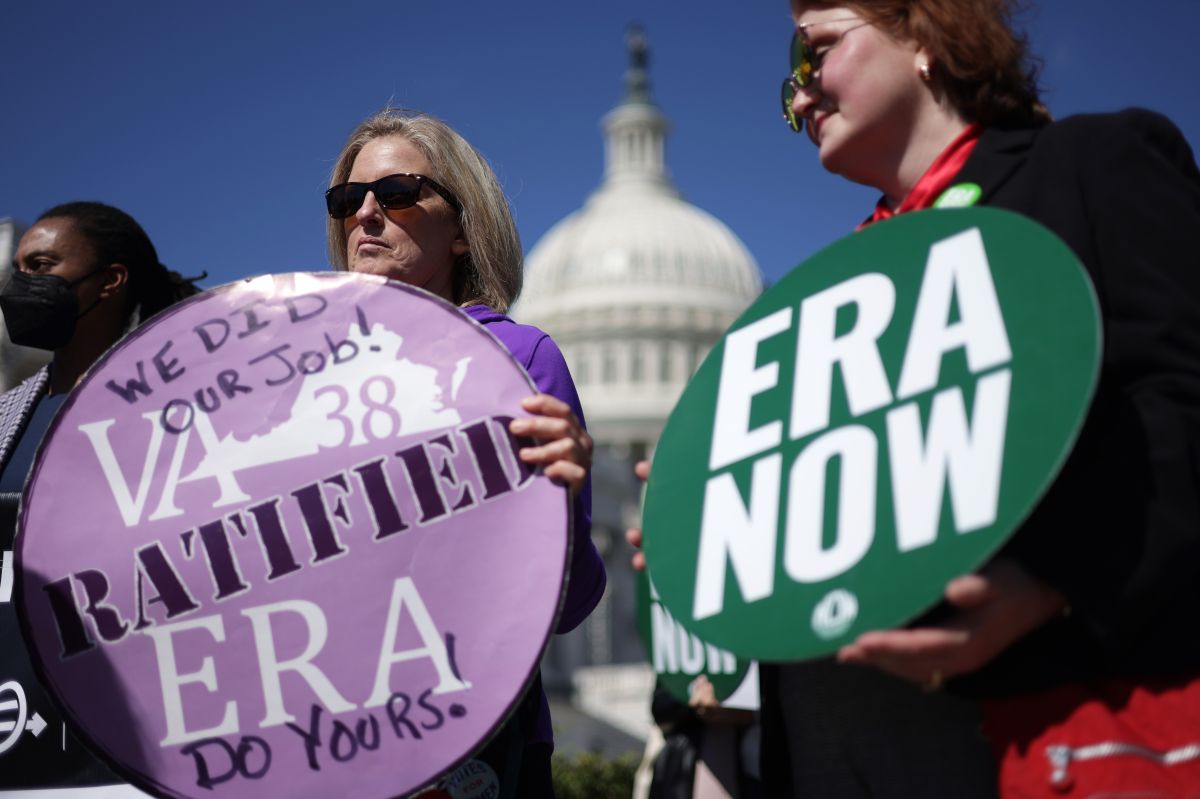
x=923 y=63
x=118 y=276
x=459 y=246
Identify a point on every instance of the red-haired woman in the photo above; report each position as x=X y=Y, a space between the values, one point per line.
x=1074 y=649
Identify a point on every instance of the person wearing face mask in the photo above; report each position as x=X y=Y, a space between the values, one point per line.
x=84 y=274
x=412 y=201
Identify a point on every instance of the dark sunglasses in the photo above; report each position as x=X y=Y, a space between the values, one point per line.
x=805 y=61
x=393 y=192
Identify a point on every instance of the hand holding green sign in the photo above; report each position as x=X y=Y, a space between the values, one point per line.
x=877 y=424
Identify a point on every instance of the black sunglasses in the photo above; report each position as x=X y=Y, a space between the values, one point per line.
x=393 y=192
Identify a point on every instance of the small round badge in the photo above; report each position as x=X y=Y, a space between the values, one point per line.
x=961 y=195
x=474 y=779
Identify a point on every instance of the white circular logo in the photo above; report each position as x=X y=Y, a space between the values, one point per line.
x=834 y=614
x=10 y=727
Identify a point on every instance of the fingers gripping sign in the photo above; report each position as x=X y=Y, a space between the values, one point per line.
x=993 y=609
x=634 y=534
x=564 y=448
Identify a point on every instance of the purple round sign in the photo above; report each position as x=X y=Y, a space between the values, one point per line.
x=278 y=543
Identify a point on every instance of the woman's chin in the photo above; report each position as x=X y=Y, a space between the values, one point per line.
x=366 y=265
x=832 y=157
x=838 y=161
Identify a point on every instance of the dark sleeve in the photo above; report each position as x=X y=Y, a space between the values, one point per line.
x=1119 y=532
x=670 y=713
x=585 y=577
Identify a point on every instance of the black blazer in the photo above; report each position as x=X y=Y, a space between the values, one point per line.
x=1119 y=531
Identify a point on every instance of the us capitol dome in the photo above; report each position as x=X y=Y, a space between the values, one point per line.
x=638 y=284
x=635 y=287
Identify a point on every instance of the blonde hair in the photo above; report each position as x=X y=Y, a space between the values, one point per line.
x=490 y=272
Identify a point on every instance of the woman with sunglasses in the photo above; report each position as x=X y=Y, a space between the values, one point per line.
x=84 y=275
x=1080 y=634
x=411 y=200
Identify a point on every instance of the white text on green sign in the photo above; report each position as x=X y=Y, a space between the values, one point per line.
x=961 y=448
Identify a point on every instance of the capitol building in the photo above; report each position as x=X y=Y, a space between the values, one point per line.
x=635 y=287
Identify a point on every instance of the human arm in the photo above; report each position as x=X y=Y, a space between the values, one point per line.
x=1119 y=532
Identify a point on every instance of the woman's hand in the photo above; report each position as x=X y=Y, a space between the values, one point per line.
x=634 y=534
x=702 y=694
x=995 y=608
x=702 y=699
x=564 y=448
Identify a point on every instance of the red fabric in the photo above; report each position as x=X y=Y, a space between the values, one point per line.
x=1161 y=717
x=937 y=178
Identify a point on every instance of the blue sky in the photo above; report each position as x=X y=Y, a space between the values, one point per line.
x=216 y=123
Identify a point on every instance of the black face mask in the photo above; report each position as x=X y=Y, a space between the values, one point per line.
x=41 y=310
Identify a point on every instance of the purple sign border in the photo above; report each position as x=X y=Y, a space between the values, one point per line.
x=138 y=779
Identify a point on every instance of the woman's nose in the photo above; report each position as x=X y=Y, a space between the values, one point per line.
x=369 y=210
x=804 y=98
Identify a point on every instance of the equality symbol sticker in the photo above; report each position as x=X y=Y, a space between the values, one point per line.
x=876 y=424
x=15 y=716
x=279 y=543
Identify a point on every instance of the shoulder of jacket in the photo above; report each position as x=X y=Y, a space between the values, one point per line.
x=31 y=386
x=16 y=404
x=1132 y=122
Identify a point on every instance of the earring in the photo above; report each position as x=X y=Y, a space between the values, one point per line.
x=924 y=70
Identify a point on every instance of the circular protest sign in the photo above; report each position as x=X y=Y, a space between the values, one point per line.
x=678 y=656
x=278 y=543
x=876 y=424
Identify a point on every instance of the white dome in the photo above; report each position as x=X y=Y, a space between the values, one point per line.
x=638 y=284
x=632 y=244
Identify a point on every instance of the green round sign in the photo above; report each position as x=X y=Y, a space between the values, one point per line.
x=678 y=656
x=876 y=424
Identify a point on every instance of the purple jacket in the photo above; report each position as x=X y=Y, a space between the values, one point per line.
x=540 y=356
